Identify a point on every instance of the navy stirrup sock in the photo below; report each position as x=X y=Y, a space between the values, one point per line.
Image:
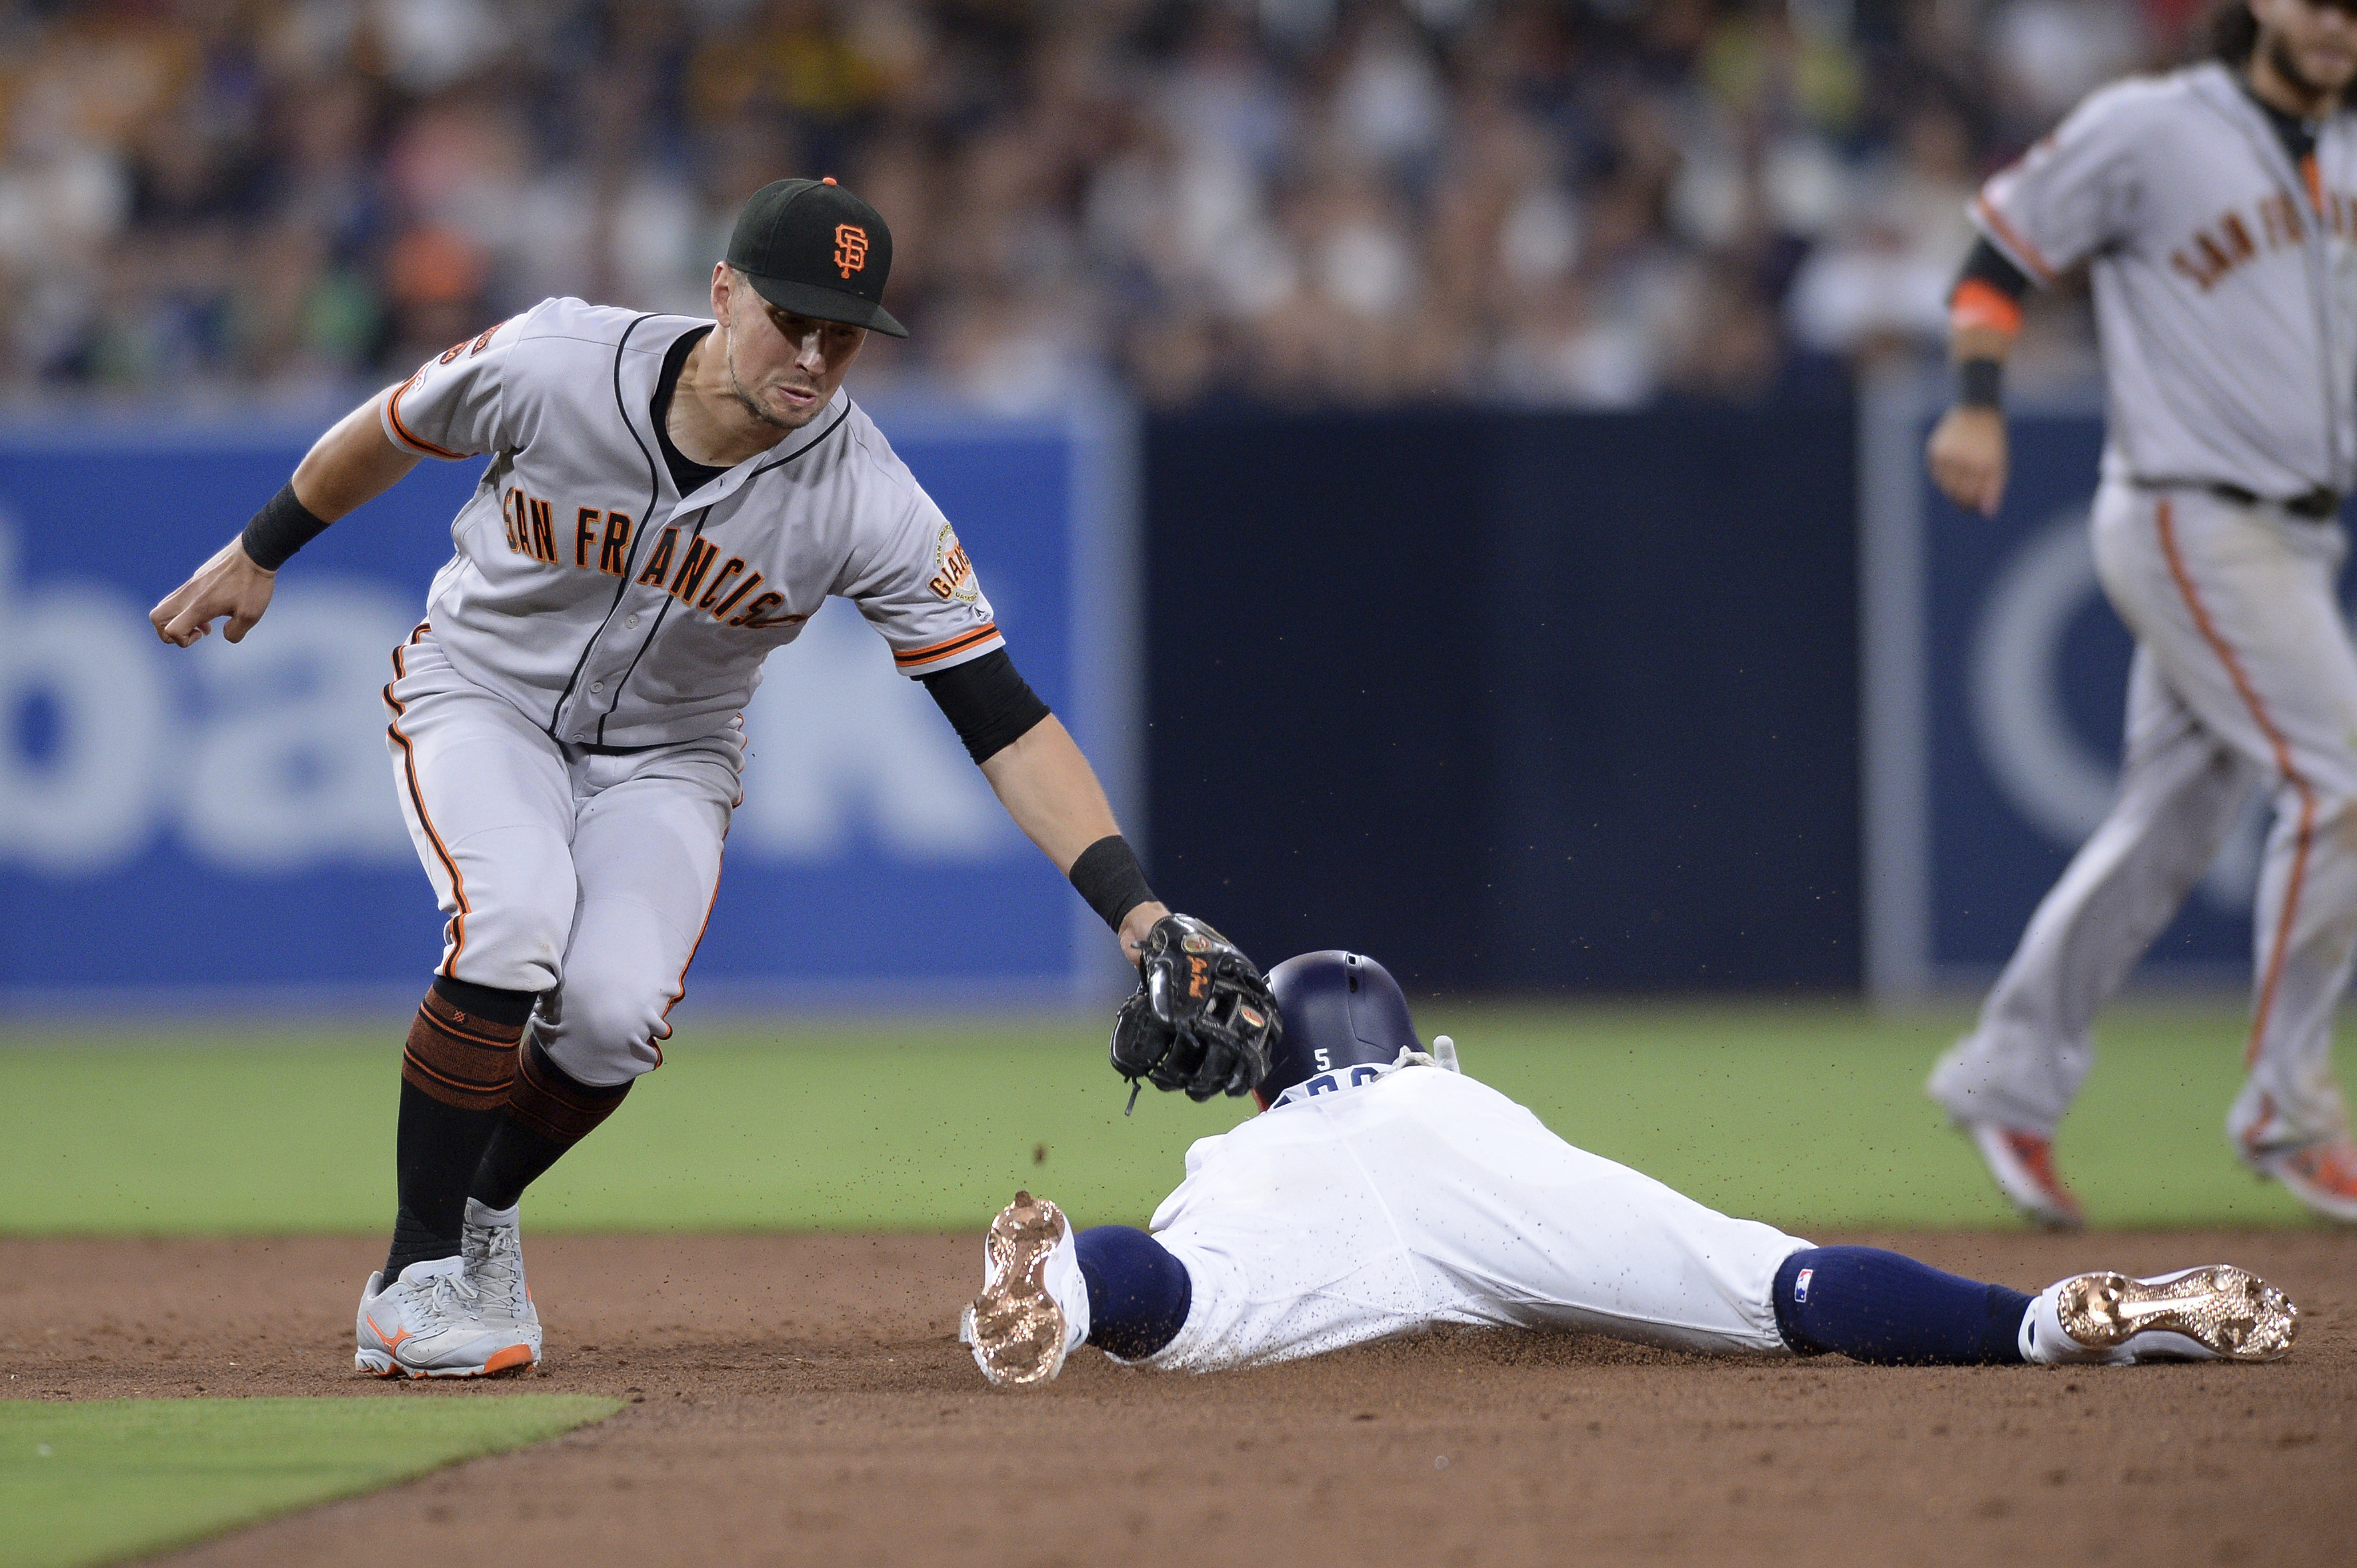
x=1873 y=1305
x=1138 y=1293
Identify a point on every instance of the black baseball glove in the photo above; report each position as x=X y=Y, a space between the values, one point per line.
x=1201 y=1018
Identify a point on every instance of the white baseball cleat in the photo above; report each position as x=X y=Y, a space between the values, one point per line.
x=1034 y=1305
x=491 y=1244
x=429 y=1324
x=2215 y=1313
x=2023 y=1166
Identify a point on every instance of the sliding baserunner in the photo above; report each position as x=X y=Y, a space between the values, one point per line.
x=1381 y=1193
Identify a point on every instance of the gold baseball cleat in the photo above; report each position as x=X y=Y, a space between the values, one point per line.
x=2215 y=1311
x=1019 y=1329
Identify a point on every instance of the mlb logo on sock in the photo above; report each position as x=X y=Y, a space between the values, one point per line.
x=1801 y=1284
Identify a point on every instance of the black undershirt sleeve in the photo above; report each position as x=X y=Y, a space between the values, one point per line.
x=1988 y=265
x=989 y=704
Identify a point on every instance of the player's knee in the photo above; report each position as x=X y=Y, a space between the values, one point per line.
x=1139 y=1292
x=606 y=1030
x=510 y=928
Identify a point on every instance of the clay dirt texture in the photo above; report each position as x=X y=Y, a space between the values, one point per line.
x=803 y=1400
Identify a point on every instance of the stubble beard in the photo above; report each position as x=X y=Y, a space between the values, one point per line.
x=752 y=405
x=2287 y=65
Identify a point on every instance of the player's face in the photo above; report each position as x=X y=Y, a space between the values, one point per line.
x=783 y=368
x=2311 y=42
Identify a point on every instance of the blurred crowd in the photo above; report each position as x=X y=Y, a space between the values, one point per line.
x=1588 y=203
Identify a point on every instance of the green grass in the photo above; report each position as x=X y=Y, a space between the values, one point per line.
x=1808 y=1114
x=107 y=1478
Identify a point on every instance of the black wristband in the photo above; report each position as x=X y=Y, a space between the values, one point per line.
x=283 y=526
x=1979 y=382
x=1108 y=876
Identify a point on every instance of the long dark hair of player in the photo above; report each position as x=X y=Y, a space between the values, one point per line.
x=2234 y=32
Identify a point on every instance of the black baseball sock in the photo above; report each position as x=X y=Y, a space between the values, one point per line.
x=455 y=1074
x=548 y=1111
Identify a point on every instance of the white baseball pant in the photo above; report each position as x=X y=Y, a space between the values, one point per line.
x=2243 y=675
x=585 y=879
x=1428 y=1198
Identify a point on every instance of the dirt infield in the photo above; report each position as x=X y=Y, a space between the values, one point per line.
x=802 y=1400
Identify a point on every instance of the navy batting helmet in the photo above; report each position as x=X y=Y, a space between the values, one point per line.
x=1341 y=1010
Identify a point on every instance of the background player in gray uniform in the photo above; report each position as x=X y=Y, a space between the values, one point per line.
x=666 y=501
x=2216 y=208
x=1383 y=1192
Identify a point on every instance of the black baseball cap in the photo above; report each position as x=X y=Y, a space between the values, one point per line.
x=811 y=247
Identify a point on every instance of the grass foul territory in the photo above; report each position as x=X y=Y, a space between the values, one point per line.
x=1808 y=1115
x=96 y=1481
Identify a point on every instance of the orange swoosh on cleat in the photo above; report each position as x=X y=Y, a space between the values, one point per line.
x=391 y=1341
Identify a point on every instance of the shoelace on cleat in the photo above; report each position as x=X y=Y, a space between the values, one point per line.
x=446 y=1296
x=495 y=1260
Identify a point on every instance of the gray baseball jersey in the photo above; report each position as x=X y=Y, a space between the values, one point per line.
x=611 y=609
x=2223 y=291
x=2223 y=278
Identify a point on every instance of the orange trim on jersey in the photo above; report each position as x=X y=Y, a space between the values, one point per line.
x=392 y=416
x=1979 y=303
x=2166 y=525
x=418 y=799
x=2312 y=178
x=2023 y=250
x=939 y=651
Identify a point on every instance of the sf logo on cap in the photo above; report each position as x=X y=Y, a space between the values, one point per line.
x=850 y=248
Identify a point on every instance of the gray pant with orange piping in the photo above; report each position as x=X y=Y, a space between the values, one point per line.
x=2245 y=675
x=581 y=877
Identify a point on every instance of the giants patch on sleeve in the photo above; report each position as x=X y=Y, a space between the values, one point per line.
x=953 y=577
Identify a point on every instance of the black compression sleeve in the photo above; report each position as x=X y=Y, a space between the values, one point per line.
x=283 y=526
x=1988 y=265
x=989 y=704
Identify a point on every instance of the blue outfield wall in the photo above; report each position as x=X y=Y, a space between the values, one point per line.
x=223 y=818
x=1996 y=676
x=1525 y=702
x=1519 y=702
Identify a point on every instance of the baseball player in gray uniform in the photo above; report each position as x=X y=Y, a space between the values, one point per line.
x=2216 y=209
x=667 y=500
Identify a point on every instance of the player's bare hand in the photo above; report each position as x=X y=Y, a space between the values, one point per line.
x=1967 y=456
x=1134 y=927
x=229 y=584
